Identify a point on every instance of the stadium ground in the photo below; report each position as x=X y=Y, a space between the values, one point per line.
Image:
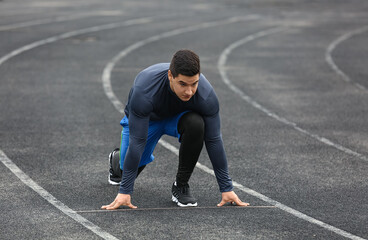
x=291 y=77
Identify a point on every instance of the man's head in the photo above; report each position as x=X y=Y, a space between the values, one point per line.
x=184 y=74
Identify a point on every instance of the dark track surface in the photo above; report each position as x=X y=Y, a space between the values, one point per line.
x=294 y=123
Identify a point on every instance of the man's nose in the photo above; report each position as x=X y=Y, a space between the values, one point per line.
x=189 y=91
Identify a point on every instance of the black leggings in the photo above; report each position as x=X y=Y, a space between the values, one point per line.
x=191 y=129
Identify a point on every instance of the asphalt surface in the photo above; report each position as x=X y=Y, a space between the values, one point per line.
x=291 y=77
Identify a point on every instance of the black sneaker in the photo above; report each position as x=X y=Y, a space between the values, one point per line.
x=182 y=196
x=114 y=171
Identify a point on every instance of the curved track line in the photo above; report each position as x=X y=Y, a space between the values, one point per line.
x=333 y=45
x=51 y=199
x=23 y=176
x=52 y=20
x=110 y=66
x=120 y=107
x=72 y=34
x=222 y=68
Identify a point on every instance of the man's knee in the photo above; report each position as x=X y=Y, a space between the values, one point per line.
x=191 y=123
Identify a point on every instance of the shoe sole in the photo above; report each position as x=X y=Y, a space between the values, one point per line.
x=108 y=177
x=174 y=199
x=112 y=182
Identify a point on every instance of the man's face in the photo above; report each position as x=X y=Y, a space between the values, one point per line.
x=184 y=86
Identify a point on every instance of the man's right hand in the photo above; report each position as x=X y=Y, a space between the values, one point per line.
x=120 y=200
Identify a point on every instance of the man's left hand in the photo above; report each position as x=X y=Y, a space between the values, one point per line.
x=232 y=198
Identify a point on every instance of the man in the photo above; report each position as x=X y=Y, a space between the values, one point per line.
x=177 y=100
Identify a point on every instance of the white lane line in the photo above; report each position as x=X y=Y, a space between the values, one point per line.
x=106 y=81
x=222 y=68
x=72 y=34
x=108 y=69
x=16 y=170
x=331 y=48
x=51 y=199
x=57 y=19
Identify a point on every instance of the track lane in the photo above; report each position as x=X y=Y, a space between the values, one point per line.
x=221 y=64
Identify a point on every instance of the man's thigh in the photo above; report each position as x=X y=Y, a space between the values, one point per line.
x=156 y=129
x=171 y=125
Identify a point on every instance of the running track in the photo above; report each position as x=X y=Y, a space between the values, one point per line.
x=291 y=81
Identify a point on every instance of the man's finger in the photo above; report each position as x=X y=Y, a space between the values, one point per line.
x=221 y=203
x=240 y=203
x=106 y=206
x=114 y=205
x=132 y=206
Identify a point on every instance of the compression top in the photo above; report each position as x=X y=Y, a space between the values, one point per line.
x=152 y=99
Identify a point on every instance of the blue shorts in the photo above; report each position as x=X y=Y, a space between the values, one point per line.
x=156 y=129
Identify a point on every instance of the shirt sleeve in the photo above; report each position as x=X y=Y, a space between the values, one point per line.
x=138 y=130
x=215 y=148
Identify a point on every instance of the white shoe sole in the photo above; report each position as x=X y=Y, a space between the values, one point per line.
x=174 y=199
x=108 y=177
x=112 y=182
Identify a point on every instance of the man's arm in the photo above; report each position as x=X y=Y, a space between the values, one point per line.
x=216 y=152
x=139 y=110
x=138 y=129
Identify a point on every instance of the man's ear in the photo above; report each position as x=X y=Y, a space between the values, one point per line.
x=169 y=74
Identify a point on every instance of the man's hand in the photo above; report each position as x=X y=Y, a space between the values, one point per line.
x=120 y=200
x=232 y=198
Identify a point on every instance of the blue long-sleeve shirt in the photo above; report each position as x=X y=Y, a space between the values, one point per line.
x=152 y=99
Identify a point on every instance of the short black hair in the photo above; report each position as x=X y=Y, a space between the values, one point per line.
x=185 y=62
